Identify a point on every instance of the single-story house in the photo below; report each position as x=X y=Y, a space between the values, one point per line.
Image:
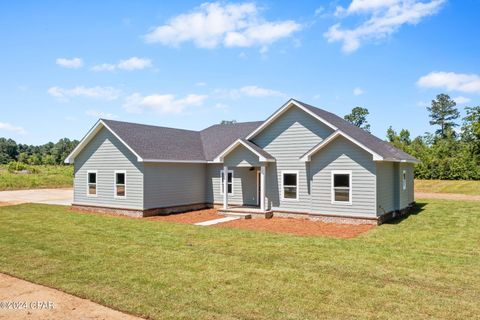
x=301 y=161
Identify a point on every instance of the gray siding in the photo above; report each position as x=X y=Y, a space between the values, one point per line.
x=405 y=196
x=287 y=139
x=105 y=154
x=385 y=187
x=173 y=184
x=241 y=157
x=244 y=185
x=341 y=154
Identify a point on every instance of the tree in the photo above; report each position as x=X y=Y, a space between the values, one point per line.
x=443 y=112
x=358 y=117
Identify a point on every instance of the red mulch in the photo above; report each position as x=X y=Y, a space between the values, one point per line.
x=302 y=227
x=189 y=217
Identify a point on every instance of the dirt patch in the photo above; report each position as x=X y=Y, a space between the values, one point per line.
x=5 y=204
x=39 y=302
x=446 y=196
x=189 y=217
x=302 y=227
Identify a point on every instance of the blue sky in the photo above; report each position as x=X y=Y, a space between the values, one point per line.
x=191 y=64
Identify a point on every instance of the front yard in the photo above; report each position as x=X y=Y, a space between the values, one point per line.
x=424 y=267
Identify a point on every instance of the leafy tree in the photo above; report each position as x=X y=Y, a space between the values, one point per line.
x=443 y=112
x=358 y=117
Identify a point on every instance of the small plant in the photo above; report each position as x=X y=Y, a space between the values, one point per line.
x=16 y=166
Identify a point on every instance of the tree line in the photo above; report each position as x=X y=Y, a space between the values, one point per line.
x=46 y=154
x=452 y=152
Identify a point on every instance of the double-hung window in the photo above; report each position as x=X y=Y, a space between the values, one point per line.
x=342 y=187
x=120 y=182
x=229 y=182
x=404 y=180
x=289 y=185
x=92 y=183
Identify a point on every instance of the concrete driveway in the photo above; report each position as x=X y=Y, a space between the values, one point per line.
x=45 y=196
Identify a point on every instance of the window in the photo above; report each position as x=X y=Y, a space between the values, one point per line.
x=289 y=185
x=229 y=182
x=91 y=183
x=120 y=184
x=404 y=179
x=342 y=187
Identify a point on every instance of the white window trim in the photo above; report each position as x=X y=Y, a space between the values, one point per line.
x=404 y=180
x=115 y=184
x=332 y=189
x=282 y=185
x=96 y=183
x=221 y=182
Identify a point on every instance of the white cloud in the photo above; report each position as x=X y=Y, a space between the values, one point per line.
x=162 y=104
x=100 y=114
x=130 y=64
x=100 y=93
x=385 y=18
x=11 y=128
x=73 y=63
x=230 y=25
x=134 y=63
x=451 y=81
x=200 y=84
x=462 y=100
x=358 y=91
x=248 y=91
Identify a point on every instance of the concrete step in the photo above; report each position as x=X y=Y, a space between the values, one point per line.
x=240 y=215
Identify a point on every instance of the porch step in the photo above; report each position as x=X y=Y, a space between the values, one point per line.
x=215 y=221
x=239 y=215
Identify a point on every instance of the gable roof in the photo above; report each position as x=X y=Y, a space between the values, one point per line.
x=368 y=141
x=383 y=148
x=262 y=155
x=161 y=144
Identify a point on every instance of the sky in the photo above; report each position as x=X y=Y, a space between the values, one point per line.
x=192 y=64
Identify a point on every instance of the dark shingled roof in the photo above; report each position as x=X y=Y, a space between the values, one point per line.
x=383 y=148
x=262 y=152
x=218 y=137
x=161 y=143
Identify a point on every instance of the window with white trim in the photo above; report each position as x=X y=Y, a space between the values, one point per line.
x=342 y=187
x=120 y=183
x=91 y=183
x=289 y=185
x=404 y=179
x=229 y=182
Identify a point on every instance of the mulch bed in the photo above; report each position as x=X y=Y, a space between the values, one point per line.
x=189 y=217
x=302 y=227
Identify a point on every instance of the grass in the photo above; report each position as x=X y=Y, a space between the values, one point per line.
x=424 y=267
x=47 y=177
x=468 y=187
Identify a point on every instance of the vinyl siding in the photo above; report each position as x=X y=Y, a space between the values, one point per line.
x=105 y=154
x=405 y=196
x=341 y=154
x=287 y=139
x=244 y=185
x=173 y=184
x=385 y=187
x=241 y=157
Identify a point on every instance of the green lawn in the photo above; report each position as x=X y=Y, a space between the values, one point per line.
x=424 y=267
x=46 y=177
x=448 y=186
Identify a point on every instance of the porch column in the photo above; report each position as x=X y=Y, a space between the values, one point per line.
x=262 y=187
x=225 y=187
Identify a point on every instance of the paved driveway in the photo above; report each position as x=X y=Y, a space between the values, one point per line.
x=46 y=196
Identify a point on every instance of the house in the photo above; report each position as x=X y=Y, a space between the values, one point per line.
x=301 y=161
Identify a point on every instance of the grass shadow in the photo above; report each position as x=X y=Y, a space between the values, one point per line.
x=419 y=207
